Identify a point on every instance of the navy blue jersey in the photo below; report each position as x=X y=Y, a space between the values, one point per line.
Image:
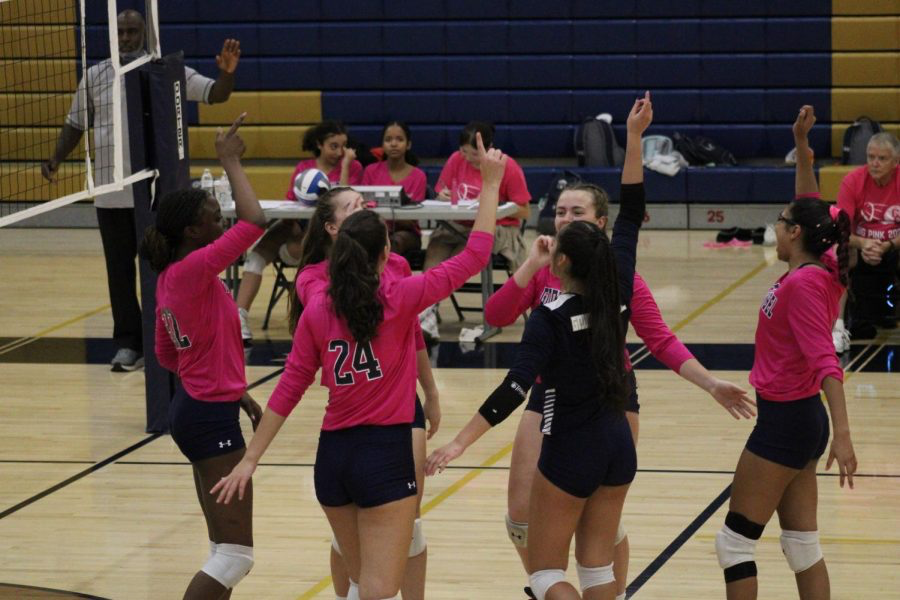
x=556 y=343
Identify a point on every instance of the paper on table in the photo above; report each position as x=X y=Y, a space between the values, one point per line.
x=269 y=204
x=445 y=204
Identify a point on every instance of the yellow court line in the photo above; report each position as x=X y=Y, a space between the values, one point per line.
x=24 y=341
x=459 y=484
x=720 y=296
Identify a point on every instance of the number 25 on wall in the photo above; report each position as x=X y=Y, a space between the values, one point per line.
x=715 y=216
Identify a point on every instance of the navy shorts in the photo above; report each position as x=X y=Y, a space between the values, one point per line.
x=790 y=433
x=600 y=453
x=204 y=429
x=536 y=400
x=367 y=465
x=419 y=419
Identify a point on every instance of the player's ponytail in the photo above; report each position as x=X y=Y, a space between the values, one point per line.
x=823 y=226
x=314 y=247
x=353 y=271
x=843 y=247
x=176 y=211
x=592 y=263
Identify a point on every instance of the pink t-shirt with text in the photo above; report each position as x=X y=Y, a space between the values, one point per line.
x=373 y=383
x=198 y=331
x=464 y=183
x=354 y=176
x=874 y=210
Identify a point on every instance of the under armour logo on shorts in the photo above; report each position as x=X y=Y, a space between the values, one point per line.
x=411 y=485
x=225 y=443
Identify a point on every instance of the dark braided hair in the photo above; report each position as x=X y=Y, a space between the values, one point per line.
x=317 y=134
x=592 y=263
x=176 y=211
x=353 y=272
x=314 y=247
x=820 y=231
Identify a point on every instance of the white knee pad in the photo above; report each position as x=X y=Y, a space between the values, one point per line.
x=229 y=564
x=286 y=257
x=620 y=533
x=590 y=577
x=542 y=581
x=733 y=548
x=417 y=546
x=801 y=549
x=212 y=549
x=518 y=532
x=255 y=263
x=335 y=545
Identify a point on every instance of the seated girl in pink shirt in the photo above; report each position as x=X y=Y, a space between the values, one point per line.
x=399 y=168
x=460 y=179
x=328 y=143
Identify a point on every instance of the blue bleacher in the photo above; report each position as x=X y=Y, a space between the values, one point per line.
x=732 y=71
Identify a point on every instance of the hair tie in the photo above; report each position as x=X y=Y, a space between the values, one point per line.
x=834 y=211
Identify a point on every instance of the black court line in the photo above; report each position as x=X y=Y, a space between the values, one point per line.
x=639 y=581
x=79 y=475
x=99 y=465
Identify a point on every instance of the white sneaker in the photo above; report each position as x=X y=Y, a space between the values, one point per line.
x=127 y=359
x=246 y=334
x=841 y=339
x=429 y=323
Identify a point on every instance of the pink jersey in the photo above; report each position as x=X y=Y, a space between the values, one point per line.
x=413 y=184
x=314 y=278
x=198 y=332
x=354 y=176
x=373 y=383
x=510 y=301
x=794 y=349
x=464 y=183
x=874 y=210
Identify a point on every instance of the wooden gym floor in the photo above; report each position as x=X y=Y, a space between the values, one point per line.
x=92 y=505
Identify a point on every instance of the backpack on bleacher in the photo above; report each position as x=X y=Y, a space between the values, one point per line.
x=856 y=139
x=701 y=151
x=596 y=145
x=547 y=203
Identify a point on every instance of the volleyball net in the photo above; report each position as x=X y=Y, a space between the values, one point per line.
x=61 y=107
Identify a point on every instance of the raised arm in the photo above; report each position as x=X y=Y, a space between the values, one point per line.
x=632 y=201
x=805 y=183
x=227 y=61
x=638 y=120
x=229 y=148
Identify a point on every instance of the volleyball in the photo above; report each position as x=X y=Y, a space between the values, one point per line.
x=309 y=185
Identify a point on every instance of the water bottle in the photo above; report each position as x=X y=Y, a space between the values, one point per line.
x=223 y=192
x=206 y=181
